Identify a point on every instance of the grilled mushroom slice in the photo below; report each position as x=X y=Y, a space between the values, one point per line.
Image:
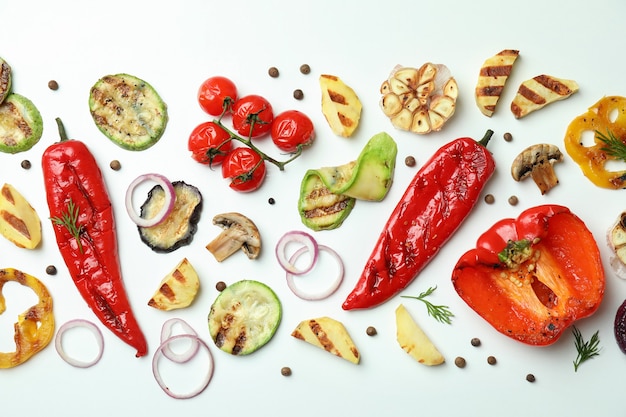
x=239 y=233
x=537 y=162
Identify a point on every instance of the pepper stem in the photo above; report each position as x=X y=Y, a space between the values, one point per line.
x=485 y=140
x=62 y=132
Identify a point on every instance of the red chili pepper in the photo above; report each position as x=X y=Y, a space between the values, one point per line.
x=438 y=199
x=84 y=227
x=533 y=276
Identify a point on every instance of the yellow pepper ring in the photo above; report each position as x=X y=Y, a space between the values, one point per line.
x=35 y=327
x=606 y=117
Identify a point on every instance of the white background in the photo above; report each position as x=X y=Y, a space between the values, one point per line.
x=175 y=46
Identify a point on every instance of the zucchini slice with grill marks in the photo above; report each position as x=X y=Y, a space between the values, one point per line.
x=244 y=317
x=179 y=226
x=21 y=125
x=5 y=79
x=128 y=111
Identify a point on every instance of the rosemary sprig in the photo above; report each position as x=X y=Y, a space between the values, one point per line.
x=69 y=219
x=440 y=313
x=586 y=350
x=613 y=146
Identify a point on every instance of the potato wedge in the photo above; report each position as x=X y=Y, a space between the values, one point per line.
x=340 y=105
x=330 y=335
x=178 y=289
x=414 y=341
x=19 y=222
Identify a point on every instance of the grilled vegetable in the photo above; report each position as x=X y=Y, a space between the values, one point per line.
x=35 y=327
x=21 y=125
x=240 y=233
x=492 y=78
x=178 y=289
x=419 y=100
x=536 y=161
x=616 y=238
x=128 y=111
x=5 y=79
x=606 y=121
x=244 y=317
x=330 y=335
x=179 y=226
x=340 y=105
x=319 y=208
x=19 y=222
x=414 y=341
x=538 y=92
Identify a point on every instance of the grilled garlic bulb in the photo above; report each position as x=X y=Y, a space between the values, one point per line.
x=616 y=238
x=419 y=100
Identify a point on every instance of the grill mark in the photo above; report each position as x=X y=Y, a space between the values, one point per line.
x=322 y=337
x=496 y=71
x=553 y=85
x=531 y=95
x=490 y=91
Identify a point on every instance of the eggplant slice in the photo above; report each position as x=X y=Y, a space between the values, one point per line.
x=179 y=226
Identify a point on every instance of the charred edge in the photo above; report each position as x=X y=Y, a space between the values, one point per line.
x=553 y=85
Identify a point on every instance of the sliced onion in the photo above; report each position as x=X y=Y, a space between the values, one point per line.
x=168 y=204
x=166 y=333
x=324 y=293
x=157 y=374
x=310 y=245
x=58 y=342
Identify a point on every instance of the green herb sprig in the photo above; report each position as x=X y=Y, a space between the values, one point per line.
x=69 y=219
x=440 y=313
x=613 y=146
x=586 y=350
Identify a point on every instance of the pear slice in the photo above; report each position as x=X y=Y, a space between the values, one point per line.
x=414 y=341
x=330 y=335
x=19 y=222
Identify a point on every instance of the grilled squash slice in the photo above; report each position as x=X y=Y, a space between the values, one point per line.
x=128 y=111
x=244 y=317
x=179 y=226
x=21 y=125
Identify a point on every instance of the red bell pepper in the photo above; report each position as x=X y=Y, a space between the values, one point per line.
x=533 y=276
x=438 y=199
x=84 y=228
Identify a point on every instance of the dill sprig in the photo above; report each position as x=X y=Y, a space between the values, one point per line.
x=69 y=219
x=586 y=350
x=440 y=313
x=613 y=146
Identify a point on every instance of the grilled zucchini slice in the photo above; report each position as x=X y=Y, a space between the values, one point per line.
x=5 y=79
x=21 y=125
x=128 y=111
x=320 y=208
x=244 y=317
x=179 y=226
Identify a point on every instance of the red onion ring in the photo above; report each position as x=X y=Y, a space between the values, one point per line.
x=157 y=374
x=327 y=292
x=310 y=245
x=166 y=333
x=168 y=204
x=58 y=342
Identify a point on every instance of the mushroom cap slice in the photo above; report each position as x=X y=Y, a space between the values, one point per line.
x=239 y=233
x=536 y=161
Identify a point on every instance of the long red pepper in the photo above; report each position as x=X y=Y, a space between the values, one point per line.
x=438 y=199
x=84 y=227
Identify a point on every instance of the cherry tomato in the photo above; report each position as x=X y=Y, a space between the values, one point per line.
x=245 y=168
x=252 y=111
x=292 y=129
x=209 y=143
x=215 y=93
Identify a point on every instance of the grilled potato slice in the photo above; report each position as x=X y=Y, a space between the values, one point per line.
x=340 y=105
x=128 y=111
x=21 y=125
x=19 y=222
x=330 y=335
x=538 y=92
x=178 y=289
x=414 y=341
x=492 y=78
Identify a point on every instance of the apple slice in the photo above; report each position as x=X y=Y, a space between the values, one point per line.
x=414 y=341
x=178 y=289
x=330 y=335
x=19 y=222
